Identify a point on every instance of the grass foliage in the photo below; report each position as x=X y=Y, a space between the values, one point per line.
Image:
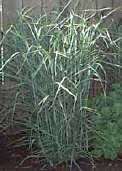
x=52 y=59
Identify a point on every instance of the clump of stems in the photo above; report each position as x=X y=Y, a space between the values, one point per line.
x=53 y=60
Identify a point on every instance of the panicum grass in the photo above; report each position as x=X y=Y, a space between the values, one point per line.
x=52 y=59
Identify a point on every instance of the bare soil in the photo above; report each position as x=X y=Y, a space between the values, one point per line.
x=11 y=158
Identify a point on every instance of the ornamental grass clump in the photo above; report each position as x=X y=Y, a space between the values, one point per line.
x=52 y=59
x=113 y=63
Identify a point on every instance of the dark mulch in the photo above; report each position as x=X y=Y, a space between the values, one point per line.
x=11 y=157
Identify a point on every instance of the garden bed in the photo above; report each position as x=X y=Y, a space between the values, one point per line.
x=60 y=99
x=11 y=160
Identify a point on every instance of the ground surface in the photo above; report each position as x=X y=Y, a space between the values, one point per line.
x=10 y=159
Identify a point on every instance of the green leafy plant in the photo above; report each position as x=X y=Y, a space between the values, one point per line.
x=108 y=124
x=52 y=60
